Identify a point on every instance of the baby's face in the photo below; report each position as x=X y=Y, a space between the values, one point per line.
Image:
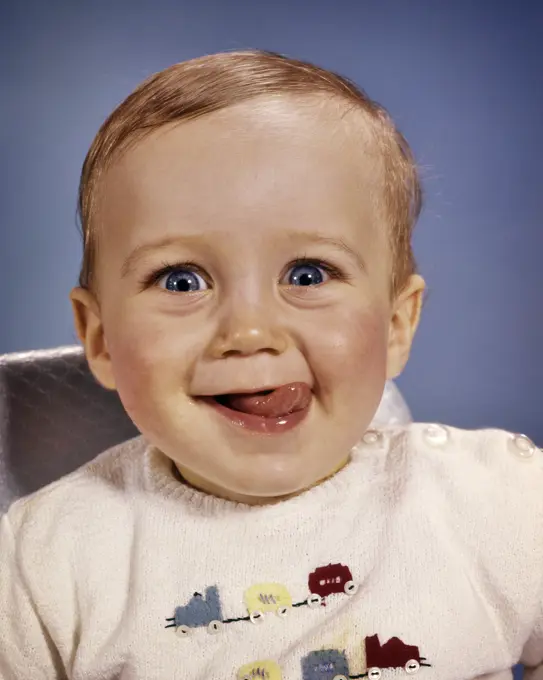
x=237 y=253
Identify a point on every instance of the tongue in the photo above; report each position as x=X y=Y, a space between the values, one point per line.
x=279 y=402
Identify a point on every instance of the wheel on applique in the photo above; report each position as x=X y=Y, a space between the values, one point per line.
x=314 y=601
x=350 y=588
x=215 y=627
x=412 y=666
x=256 y=617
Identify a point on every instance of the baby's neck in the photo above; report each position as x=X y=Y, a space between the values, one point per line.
x=206 y=487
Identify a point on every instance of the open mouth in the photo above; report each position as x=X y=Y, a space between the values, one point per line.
x=266 y=411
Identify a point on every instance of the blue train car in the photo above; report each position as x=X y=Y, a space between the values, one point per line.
x=325 y=664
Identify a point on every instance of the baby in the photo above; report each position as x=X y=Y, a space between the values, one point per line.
x=247 y=287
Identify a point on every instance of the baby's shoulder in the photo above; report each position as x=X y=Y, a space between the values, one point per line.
x=492 y=449
x=483 y=460
x=94 y=491
x=481 y=489
x=488 y=446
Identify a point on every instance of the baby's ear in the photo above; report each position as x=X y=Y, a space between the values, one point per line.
x=403 y=324
x=90 y=330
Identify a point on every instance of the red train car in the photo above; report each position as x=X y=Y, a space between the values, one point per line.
x=393 y=654
x=334 y=578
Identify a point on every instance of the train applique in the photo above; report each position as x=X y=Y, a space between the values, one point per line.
x=204 y=610
x=325 y=664
x=332 y=664
x=393 y=654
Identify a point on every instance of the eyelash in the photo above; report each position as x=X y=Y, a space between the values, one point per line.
x=332 y=271
x=154 y=277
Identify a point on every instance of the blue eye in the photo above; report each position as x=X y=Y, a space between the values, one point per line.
x=307 y=275
x=182 y=281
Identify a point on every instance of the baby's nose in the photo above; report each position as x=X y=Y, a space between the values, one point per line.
x=244 y=338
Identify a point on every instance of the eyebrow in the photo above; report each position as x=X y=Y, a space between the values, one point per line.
x=337 y=243
x=142 y=250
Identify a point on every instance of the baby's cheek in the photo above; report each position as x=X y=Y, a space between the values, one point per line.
x=363 y=374
x=368 y=342
x=352 y=366
x=132 y=379
x=135 y=358
x=356 y=345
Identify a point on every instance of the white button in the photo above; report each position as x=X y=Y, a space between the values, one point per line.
x=372 y=437
x=436 y=435
x=522 y=446
x=412 y=667
x=256 y=617
x=351 y=588
x=314 y=601
x=215 y=627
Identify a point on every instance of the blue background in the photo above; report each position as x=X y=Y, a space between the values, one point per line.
x=463 y=81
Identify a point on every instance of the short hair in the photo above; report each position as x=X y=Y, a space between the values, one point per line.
x=194 y=88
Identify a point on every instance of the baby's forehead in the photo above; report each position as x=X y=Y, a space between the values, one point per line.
x=265 y=177
x=277 y=148
x=323 y=122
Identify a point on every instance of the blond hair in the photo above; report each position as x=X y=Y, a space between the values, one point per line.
x=194 y=88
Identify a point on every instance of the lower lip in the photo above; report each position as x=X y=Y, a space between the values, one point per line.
x=258 y=424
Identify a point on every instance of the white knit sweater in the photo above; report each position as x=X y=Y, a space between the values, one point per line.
x=423 y=556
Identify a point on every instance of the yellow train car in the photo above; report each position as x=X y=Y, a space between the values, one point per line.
x=263 y=598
